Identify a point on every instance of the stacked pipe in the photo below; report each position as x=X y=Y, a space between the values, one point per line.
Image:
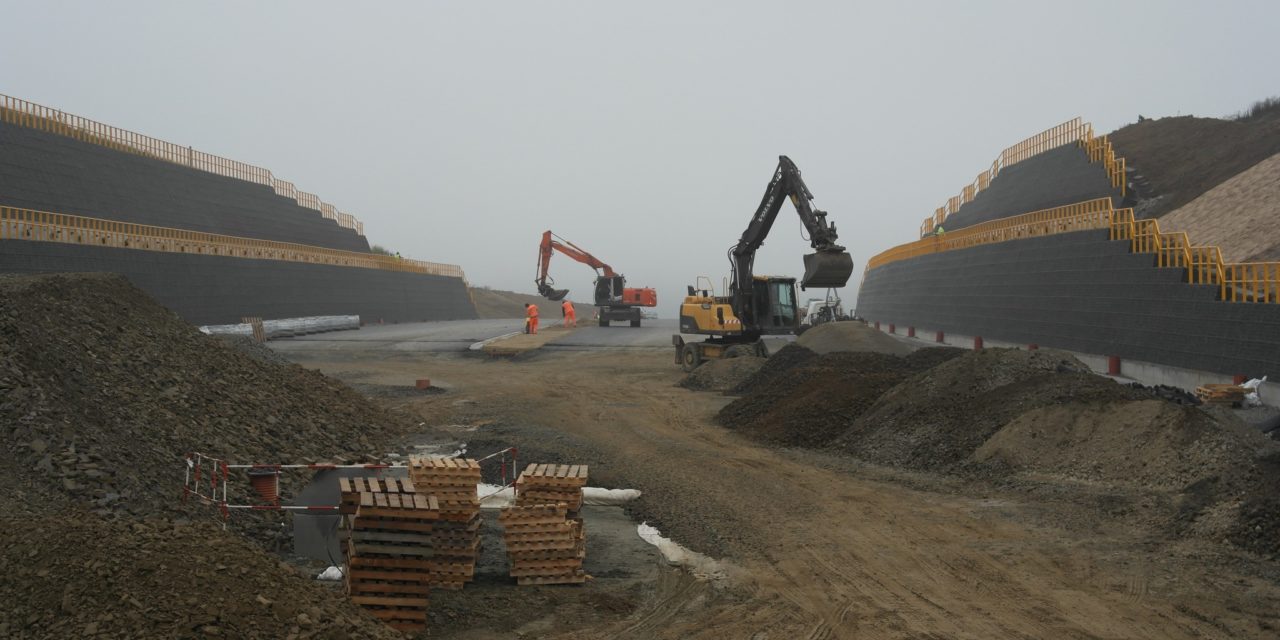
x=454 y=484
x=388 y=548
x=544 y=534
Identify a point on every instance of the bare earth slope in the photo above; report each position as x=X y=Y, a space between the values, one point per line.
x=1185 y=156
x=493 y=303
x=1238 y=215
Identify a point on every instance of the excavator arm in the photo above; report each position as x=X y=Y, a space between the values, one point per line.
x=551 y=243
x=829 y=266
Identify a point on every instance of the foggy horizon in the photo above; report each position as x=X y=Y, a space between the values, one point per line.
x=644 y=134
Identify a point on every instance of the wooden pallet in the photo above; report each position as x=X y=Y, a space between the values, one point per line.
x=545 y=542
x=388 y=542
x=454 y=483
x=1221 y=393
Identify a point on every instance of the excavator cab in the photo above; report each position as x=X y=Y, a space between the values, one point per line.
x=775 y=304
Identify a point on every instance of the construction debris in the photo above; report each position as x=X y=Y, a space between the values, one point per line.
x=544 y=534
x=389 y=549
x=453 y=483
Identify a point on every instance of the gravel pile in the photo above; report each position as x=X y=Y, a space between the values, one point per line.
x=107 y=390
x=816 y=398
x=833 y=337
x=76 y=575
x=102 y=391
x=723 y=374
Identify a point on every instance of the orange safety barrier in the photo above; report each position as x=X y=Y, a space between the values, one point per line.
x=31 y=115
x=1237 y=282
x=44 y=226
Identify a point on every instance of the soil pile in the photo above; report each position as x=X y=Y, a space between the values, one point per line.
x=940 y=417
x=818 y=397
x=775 y=368
x=833 y=337
x=104 y=391
x=723 y=374
x=1232 y=215
x=1186 y=156
x=76 y=575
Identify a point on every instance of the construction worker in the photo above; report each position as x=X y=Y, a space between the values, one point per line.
x=570 y=315
x=939 y=232
x=531 y=318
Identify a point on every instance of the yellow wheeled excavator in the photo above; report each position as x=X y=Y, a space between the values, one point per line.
x=755 y=305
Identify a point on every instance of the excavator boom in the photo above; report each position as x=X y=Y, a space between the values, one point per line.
x=828 y=266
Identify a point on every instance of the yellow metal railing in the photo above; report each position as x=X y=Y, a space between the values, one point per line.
x=1073 y=131
x=43 y=226
x=1237 y=282
x=29 y=114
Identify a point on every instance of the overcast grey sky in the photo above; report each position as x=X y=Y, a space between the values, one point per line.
x=643 y=131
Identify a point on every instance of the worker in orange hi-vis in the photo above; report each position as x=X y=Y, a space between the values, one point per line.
x=570 y=315
x=531 y=318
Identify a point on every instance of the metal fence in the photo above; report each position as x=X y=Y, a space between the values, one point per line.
x=44 y=226
x=29 y=114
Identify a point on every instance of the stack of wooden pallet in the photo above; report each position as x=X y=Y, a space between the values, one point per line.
x=453 y=482
x=1221 y=393
x=388 y=548
x=545 y=538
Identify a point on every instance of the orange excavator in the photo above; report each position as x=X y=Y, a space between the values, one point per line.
x=614 y=300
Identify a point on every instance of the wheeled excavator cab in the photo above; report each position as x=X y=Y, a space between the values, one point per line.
x=827 y=269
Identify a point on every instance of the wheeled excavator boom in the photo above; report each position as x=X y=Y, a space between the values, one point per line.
x=761 y=305
x=613 y=298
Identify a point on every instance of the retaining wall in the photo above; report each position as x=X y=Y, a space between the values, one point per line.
x=220 y=290
x=1077 y=291
x=1050 y=179
x=51 y=172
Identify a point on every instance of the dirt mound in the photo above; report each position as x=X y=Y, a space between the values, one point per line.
x=1232 y=215
x=1151 y=444
x=941 y=416
x=723 y=374
x=816 y=399
x=1184 y=157
x=775 y=368
x=105 y=390
x=834 y=337
x=76 y=575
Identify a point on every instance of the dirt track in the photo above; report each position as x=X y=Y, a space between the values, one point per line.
x=824 y=547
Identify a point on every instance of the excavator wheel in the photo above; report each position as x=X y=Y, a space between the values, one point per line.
x=690 y=357
x=604 y=322
x=635 y=323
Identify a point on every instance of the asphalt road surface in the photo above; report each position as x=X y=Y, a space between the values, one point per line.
x=453 y=335
x=459 y=335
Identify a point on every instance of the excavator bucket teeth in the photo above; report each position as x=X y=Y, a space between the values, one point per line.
x=827 y=269
x=555 y=294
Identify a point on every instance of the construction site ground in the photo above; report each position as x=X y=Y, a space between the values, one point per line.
x=810 y=543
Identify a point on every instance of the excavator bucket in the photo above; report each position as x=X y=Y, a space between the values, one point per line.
x=552 y=294
x=826 y=269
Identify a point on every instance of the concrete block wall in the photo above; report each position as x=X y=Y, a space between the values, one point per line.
x=1080 y=292
x=221 y=290
x=1051 y=179
x=50 y=172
